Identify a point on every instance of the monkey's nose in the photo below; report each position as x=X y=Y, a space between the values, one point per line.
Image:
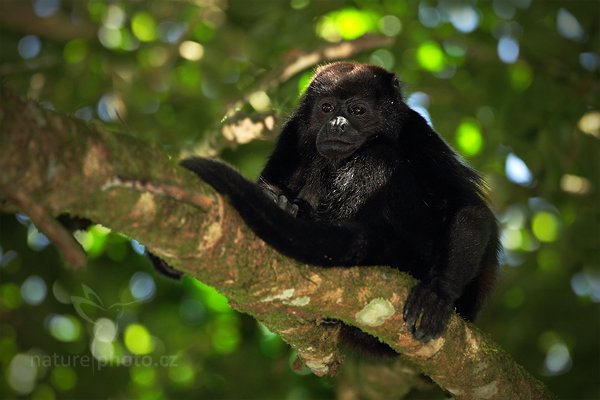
x=339 y=123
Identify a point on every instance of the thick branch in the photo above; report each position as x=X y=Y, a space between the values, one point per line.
x=66 y=165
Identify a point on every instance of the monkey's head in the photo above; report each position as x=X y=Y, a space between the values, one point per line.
x=349 y=105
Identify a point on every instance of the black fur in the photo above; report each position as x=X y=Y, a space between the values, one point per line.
x=358 y=178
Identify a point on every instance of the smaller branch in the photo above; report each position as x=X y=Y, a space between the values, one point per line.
x=20 y=17
x=37 y=64
x=304 y=61
x=60 y=237
x=231 y=134
x=176 y=192
x=340 y=50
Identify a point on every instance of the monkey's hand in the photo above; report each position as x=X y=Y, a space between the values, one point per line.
x=276 y=194
x=286 y=205
x=427 y=310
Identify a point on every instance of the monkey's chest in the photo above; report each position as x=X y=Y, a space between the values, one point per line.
x=341 y=195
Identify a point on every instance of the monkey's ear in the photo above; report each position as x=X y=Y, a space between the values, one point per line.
x=397 y=86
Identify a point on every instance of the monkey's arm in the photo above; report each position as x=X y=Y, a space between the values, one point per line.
x=469 y=239
x=283 y=162
x=308 y=241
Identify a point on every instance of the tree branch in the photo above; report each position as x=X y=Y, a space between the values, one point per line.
x=67 y=165
x=20 y=17
x=239 y=128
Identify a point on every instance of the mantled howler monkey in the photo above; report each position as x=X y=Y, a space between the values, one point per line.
x=359 y=178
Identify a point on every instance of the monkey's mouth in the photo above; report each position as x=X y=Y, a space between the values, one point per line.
x=335 y=149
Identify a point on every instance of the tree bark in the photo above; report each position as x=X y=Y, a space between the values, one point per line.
x=64 y=165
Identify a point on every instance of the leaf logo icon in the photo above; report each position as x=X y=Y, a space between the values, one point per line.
x=84 y=305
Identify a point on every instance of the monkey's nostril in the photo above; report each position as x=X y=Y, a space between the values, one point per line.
x=339 y=123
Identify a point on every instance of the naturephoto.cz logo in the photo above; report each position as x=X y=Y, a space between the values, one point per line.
x=115 y=340
x=87 y=361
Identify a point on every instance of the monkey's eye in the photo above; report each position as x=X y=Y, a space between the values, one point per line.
x=327 y=108
x=358 y=110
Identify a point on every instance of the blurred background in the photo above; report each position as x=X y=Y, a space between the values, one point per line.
x=513 y=85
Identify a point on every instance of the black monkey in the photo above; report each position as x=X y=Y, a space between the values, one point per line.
x=358 y=178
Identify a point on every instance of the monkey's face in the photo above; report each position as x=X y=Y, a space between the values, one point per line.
x=345 y=124
x=349 y=105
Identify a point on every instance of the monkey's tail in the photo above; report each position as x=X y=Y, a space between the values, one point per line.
x=312 y=242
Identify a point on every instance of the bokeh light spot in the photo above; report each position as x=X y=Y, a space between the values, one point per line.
x=75 y=51
x=29 y=46
x=35 y=239
x=63 y=378
x=299 y=4
x=191 y=50
x=508 y=49
x=45 y=8
x=138 y=339
x=419 y=102
x=34 y=290
x=384 y=58
x=517 y=171
x=575 y=184
x=213 y=300
x=469 y=138
x=455 y=48
x=504 y=9
x=260 y=101
x=430 y=56
x=512 y=238
x=105 y=330
x=520 y=76
x=545 y=226
x=590 y=123
x=111 y=38
x=304 y=82
x=589 y=60
x=101 y=350
x=226 y=335
x=111 y=107
x=182 y=374
x=10 y=296
x=170 y=31
x=142 y=375
x=587 y=284
x=143 y=27
x=390 y=25
x=114 y=17
x=463 y=17
x=568 y=26
x=142 y=286
x=347 y=24
x=21 y=374
x=558 y=359
x=189 y=76
x=138 y=247
x=429 y=16
x=64 y=328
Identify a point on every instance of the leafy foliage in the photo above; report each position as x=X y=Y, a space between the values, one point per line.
x=512 y=84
